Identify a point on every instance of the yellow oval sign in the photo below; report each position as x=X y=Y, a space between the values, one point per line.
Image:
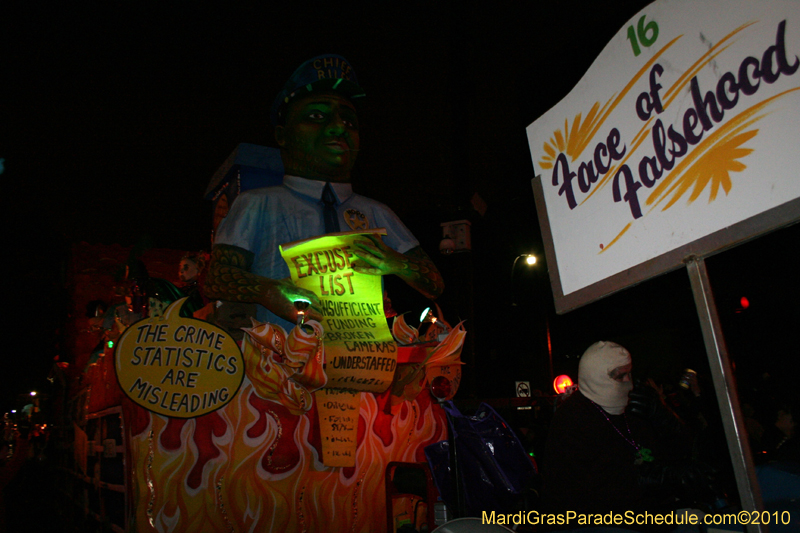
x=177 y=366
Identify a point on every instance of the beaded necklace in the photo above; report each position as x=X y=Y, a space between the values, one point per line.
x=643 y=455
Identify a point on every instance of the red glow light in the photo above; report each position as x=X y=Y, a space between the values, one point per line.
x=440 y=387
x=561 y=383
x=744 y=302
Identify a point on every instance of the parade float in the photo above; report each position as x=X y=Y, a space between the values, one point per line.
x=223 y=440
x=180 y=424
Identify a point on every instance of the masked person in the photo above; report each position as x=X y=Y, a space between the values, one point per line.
x=600 y=459
x=592 y=446
x=317 y=130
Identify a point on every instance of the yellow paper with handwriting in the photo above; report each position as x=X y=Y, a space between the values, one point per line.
x=360 y=352
x=338 y=425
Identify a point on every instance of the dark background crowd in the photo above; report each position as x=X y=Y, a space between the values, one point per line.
x=115 y=116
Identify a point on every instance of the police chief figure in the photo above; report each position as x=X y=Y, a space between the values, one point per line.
x=317 y=130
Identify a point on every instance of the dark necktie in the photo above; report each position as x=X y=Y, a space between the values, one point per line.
x=329 y=209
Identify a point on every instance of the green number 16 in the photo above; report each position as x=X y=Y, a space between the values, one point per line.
x=642 y=31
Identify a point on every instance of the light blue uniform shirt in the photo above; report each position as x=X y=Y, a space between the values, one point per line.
x=262 y=219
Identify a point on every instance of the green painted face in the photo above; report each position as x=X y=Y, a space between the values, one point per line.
x=320 y=137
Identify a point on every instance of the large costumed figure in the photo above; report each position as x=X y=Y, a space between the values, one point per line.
x=316 y=127
x=263 y=461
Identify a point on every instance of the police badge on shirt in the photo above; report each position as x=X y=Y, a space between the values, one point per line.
x=356 y=220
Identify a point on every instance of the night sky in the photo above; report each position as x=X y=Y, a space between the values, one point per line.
x=114 y=116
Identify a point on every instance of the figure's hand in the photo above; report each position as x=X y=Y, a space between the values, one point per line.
x=282 y=294
x=229 y=279
x=414 y=267
x=377 y=259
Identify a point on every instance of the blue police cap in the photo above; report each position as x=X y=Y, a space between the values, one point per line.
x=325 y=72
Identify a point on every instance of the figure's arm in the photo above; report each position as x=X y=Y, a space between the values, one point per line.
x=414 y=267
x=229 y=278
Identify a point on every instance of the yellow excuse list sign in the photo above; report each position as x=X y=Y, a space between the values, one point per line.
x=360 y=352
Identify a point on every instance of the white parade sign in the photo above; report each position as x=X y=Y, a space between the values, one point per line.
x=680 y=139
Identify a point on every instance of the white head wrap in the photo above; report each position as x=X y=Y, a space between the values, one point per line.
x=594 y=378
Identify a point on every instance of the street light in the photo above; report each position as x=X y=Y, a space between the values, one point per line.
x=530 y=260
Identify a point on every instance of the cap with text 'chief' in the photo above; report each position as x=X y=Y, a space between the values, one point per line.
x=326 y=72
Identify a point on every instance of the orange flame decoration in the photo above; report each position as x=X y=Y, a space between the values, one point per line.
x=405 y=334
x=285 y=369
x=449 y=350
x=411 y=379
x=402 y=332
x=255 y=464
